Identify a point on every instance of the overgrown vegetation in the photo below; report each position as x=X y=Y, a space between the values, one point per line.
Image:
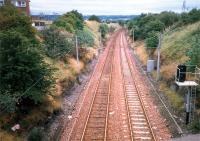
x=85 y=38
x=57 y=45
x=148 y=26
x=194 y=52
x=25 y=77
x=30 y=88
x=71 y=21
x=103 y=29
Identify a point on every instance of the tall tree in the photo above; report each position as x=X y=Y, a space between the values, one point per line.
x=24 y=77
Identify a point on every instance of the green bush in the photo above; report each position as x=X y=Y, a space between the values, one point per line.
x=104 y=29
x=154 y=26
x=36 y=134
x=94 y=18
x=194 y=52
x=152 y=40
x=158 y=22
x=12 y=19
x=56 y=45
x=112 y=29
x=63 y=24
x=85 y=38
x=71 y=21
x=21 y=66
x=25 y=77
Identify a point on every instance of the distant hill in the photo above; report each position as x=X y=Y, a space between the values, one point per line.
x=114 y=17
x=102 y=17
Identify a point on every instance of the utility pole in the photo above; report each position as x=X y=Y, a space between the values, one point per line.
x=77 y=53
x=100 y=39
x=184 y=7
x=133 y=37
x=133 y=34
x=158 y=61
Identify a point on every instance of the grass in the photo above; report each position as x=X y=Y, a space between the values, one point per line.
x=141 y=52
x=5 y=136
x=176 y=101
x=94 y=27
x=176 y=44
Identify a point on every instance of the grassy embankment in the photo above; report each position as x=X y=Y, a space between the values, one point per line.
x=176 y=44
x=65 y=75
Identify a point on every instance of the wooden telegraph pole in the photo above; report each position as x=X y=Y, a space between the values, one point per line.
x=158 y=61
x=77 y=53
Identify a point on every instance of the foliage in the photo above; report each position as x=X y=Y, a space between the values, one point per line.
x=56 y=44
x=12 y=19
x=191 y=17
x=71 y=21
x=112 y=29
x=154 y=26
x=152 y=40
x=158 y=22
x=168 y=18
x=94 y=18
x=121 y=23
x=25 y=77
x=104 y=29
x=61 y=22
x=36 y=134
x=194 y=52
x=78 y=15
x=85 y=38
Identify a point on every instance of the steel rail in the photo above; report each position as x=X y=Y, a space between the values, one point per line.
x=87 y=87
x=90 y=109
x=108 y=105
x=139 y=93
x=125 y=96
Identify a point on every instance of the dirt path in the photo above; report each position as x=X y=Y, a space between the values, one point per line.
x=116 y=103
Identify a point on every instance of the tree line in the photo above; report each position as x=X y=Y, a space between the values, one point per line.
x=25 y=78
x=147 y=27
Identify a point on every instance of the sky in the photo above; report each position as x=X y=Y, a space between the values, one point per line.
x=110 y=7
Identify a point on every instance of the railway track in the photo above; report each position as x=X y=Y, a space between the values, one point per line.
x=96 y=124
x=115 y=107
x=139 y=123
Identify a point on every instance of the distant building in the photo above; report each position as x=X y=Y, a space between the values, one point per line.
x=40 y=23
x=22 y=5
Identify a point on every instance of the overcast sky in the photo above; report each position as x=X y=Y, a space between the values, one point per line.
x=110 y=7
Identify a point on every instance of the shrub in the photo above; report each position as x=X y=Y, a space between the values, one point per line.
x=194 y=52
x=12 y=19
x=56 y=44
x=112 y=29
x=63 y=24
x=25 y=77
x=36 y=134
x=70 y=21
x=94 y=18
x=152 y=40
x=85 y=38
x=104 y=29
x=154 y=26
